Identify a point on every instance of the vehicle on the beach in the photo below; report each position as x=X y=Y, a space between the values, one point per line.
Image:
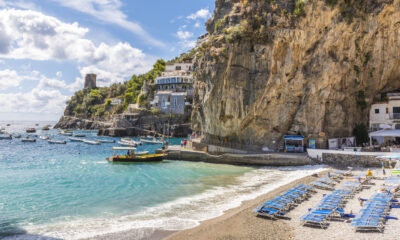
x=56 y=142
x=134 y=157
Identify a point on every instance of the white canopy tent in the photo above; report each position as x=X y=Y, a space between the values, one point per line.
x=384 y=133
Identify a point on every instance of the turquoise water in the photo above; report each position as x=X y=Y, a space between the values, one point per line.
x=71 y=192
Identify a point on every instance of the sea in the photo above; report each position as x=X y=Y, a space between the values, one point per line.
x=71 y=192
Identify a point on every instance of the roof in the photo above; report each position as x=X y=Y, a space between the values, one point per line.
x=386 y=133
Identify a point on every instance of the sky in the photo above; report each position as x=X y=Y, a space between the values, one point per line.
x=47 y=46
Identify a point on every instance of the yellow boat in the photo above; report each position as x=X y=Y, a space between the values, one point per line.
x=132 y=157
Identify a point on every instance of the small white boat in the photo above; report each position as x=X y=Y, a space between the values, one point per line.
x=154 y=141
x=79 y=135
x=106 y=141
x=72 y=139
x=126 y=139
x=6 y=137
x=46 y=128
x=44 y=137
x=142 y=153
x=124 y=143
x=66 y=133
x=91 y=142
x=17 y=136
x=56 y=142
x=28 y=139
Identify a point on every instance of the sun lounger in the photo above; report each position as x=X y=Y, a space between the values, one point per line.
x=367 y=224
x=314 y=219
x=326 y=181
x=276 y=205
x=306 y=187
x=265 y=211
x=321 y=186
x=284 y=200
x=341 y=172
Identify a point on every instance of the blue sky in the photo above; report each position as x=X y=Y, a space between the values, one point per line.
x=47 y=46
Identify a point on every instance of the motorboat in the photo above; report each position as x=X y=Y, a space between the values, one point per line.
x=73 y=139
x=91 y=142
x=44 y=137
x=124 y=143
x=5 y=137
x=56 y=142
x=154 y=141
x=31 y=130
x=126 y=139
x=79 y=135
x=17 y=136
x=46 y=128
x=132 y=157
x=106 y=141
x=28 y=139
x=66 y=133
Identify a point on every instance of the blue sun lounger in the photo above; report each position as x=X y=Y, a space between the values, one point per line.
x=268 y=212
x=276 y=205
x=321 y=186
x=368 y=224
x=326 y=181
x=314 y=219
x=306 y=187
x=284 y=200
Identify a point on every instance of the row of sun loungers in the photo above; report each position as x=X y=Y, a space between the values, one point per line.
x=283 y=203
x=374 y=213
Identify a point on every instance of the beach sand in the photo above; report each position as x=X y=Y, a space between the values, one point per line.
x=242 y=223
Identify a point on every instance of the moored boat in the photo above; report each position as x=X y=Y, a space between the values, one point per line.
x=44 y=137
x=73 y=139
x=132 y=157
x=125 y=143
x=28 y=139
x=66 y=133
x=17 y=136
x=91 y=142
x=106 y=141
x=79 y=135
x=46 y=128
x=56 y=142
x=6 y=137
x=154 y=141
x=31 y=130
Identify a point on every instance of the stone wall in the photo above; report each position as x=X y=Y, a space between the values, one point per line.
x=351 y=160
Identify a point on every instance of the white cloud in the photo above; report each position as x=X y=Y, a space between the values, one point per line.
x=33 y=35
x=202 y=13
x=59 y=74
x=183 y=35
x=18 y=4
x=197 y=25
x=110 y=11
x=10 y=78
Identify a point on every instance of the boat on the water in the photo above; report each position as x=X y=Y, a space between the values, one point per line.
x=91 y=142
x=17 y=136
x=31 y=130
x=125 y=143
x=28 y=139
x=106 y=141
x=154 y=141
x=79 y=135
x=5 y=137
x=46 y=128
x=66 y=133
x=73 y=139
x=132 y=157
x=56 y=142
x=44 y=137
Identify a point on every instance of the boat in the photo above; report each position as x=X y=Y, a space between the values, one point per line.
x=3 y=132
x=27 y=139
x=44 y=137
x=37 y=124
x=8 y=124
x=46 y=128
x=72 y=139
x=79 y=135
x=17 y=136
x=132 y=157
x=66 y=133
x=124 y=143
x=30 y=130
x=126 y=139
x=106 y=141
x=154 y=141
x=6 y=137
x=56 y=142
x=91 y=142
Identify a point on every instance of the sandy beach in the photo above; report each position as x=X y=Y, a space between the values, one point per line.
x=242 y=223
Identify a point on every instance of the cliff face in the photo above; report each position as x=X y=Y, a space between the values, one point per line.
x=272 y=68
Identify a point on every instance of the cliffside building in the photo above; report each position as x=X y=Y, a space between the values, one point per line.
x=90 y=81
x=385 y=115
x=174 y=88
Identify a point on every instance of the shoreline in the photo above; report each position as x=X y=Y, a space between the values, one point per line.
x=241 y=222
x=220 y=227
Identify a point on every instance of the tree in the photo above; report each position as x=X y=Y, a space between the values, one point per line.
x=361 y=133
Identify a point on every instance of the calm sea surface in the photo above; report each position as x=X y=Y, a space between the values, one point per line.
x=71 y=192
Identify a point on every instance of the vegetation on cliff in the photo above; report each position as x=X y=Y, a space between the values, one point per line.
x=97 y=103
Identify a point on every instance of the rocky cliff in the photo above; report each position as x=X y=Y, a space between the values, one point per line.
x=280 y=67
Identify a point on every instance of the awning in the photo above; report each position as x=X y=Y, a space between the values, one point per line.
x=385 y=133
x=290 y=137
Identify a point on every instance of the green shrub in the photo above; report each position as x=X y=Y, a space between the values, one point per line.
x=299 y=9
x=360 y=132
x=155 y=111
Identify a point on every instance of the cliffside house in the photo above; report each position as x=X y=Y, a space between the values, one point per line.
x=174 y=88
x=385 y=115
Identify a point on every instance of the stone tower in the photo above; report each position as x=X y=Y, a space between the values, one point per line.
x=90 y=81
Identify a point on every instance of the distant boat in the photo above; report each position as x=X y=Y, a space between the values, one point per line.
x=7 y=137
x=56 y=142
x=72 y=139
x=126 y=143
x=8 y=124
x=154 y=141
x=17 y=136
x=44 y=137
x=30 y=130
x=27 y=139
x=91 y=142
x=106 y=141
x=66 y=133
x=46 y=128
x=79 y=135
x=3 y=132
x=126 y=139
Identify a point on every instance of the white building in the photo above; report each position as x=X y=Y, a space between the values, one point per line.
x=170 y=102
x=385 y=115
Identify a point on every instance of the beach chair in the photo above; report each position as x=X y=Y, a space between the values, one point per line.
x=326 y=181
x=314 y=220
x=293 y=195
x=305 y=187
x=277 y=205
x=268 y=212
x=367 y=225
x=322 y=186
x=343 y=173
x=286 y=200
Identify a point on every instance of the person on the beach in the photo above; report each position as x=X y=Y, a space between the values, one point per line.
x=181 y=143
x=184 y=143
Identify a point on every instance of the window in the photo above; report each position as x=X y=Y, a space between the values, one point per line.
x=377 y=111
x=387 y=110
x=178 y=68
